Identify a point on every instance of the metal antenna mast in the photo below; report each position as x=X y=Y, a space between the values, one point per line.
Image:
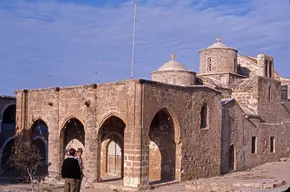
x=133 y=43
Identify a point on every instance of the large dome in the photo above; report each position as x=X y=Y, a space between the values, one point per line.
x=172 y=65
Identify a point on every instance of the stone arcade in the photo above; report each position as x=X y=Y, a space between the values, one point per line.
x=178 y=126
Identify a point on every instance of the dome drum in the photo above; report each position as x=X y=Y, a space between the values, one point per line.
x=174 y=77
x=218 y=58
x=173 y=72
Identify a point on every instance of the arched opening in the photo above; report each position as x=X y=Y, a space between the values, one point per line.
x=72 y=136
x=7 y=150
x=232 y=158
x=8 y=118
x=209 y=64
x=111 y=135
x=203 y=116
x=39 y=138
x=114 y=162
x=162 y=148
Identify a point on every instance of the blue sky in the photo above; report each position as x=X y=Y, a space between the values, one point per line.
x=48 y=43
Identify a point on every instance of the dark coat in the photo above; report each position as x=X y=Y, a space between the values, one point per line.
x=71 y=169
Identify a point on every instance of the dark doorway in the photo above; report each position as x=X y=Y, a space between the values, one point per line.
x=162 y=148
x=232 y=158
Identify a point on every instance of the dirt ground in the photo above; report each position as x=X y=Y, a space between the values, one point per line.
x=254 y=180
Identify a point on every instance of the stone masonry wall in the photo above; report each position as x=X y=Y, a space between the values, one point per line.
x=198 y=150
x=244 y=98
x=263 y=132
x=233 y=133
x=91 y=105
x=239 y=131
x=269 y=99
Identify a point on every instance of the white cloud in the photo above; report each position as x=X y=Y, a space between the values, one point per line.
x=72 y=42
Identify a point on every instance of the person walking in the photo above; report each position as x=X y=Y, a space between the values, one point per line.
x=80 y=160
x=71 y=172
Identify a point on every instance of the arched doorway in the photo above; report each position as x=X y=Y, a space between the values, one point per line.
x=162 y=148
x=232 y=158
x=8 y=118
x=39 y=138
x=72 y=136
x=111 y=136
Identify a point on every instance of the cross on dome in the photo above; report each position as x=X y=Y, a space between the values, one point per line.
x=218 y=40
x=173 y=55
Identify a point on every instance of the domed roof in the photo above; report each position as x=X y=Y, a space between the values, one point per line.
x=218 y=44
x=172 y=65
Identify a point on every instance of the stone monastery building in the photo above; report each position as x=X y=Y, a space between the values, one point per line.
x=179 y=125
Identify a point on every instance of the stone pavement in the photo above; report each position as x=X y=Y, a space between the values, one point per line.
x=270 y=177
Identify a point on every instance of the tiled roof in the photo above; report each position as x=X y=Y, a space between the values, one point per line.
x=247 y=110
x=211 y=82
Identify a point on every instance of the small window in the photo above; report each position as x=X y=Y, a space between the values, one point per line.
x=209 y=64
x=284 y=91
x=272 y=144
x=270 y=69
x=254 y=144
x=266 y=69
x=269 y=94
x=203 y=116
x=236 y=65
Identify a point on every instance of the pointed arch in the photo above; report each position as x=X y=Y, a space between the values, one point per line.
x=39 y=135
x=39 y=128
x=110 y=114
x=39 y=123
x=66 y=120
x=72 y=134
x=45 y=147
x=111 y=129
x=3 y=148
x=177 y=132
x=115 y=134
x=38 y=118
x=164 y=147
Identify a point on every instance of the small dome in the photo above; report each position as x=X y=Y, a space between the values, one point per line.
x=218 y=44
x=172 y=65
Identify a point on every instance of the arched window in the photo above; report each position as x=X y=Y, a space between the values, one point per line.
x=209 y=64
x=203 y=116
